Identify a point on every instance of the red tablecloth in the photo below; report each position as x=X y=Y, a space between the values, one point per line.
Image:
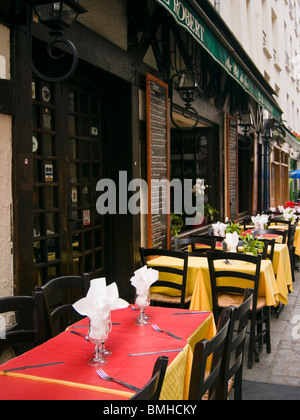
x=124 y=339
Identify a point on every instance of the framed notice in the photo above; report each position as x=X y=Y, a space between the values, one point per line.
x=231 y=164
x=158 y=163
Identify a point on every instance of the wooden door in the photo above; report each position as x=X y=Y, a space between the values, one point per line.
x=69 y=234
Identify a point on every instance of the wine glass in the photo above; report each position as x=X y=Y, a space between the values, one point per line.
x=142 y=301
x=98 y=334
x=106 y=352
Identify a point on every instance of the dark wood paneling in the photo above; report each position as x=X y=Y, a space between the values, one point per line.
x=6 y=97
x=22 y=170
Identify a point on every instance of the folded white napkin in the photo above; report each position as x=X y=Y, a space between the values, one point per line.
x=144 y=278
x=99 y=302
x=142 y=281
x=288 y=213
x=232 y=241
x=260 y=221
x=222 y=230
x=219 y=229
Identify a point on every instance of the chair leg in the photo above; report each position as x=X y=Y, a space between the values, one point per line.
x=251 y=341
x=292 y=258
x=238 y=385
x=268 y=330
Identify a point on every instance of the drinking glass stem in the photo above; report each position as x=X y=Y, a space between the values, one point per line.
x=98 y=352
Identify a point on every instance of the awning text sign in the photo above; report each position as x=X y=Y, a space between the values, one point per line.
x=188 y=18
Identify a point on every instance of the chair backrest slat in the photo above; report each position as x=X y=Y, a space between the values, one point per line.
x=29 y=328
x=178 y=281
x=58 y=295
x=203 y=382
x=151 y=391
x=233 y=285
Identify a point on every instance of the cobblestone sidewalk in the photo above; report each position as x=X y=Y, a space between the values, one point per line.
x=283 y=365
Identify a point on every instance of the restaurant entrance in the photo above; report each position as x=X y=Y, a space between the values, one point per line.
x=68 y=233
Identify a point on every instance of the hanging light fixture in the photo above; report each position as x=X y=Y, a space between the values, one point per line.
x=185 y=83
x=187 y=86
x=246 y=122
x=57 y=16
x=268 y=137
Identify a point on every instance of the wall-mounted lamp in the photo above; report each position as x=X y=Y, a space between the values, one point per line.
x=186 y=85
x=246 y=122
x=267 y=136
x=57 y=16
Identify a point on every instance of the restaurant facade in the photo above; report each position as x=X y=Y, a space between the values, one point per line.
x=123 y=110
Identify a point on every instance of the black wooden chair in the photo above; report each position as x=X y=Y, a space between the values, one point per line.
x=178 y=281
x=248 y=223
x=282 y=233
x=28 y=328
x=269 y=249
x=151 y=391
x=288 y=237
x=230 y=294
x=206 y=244
x=279 y=221
x=59 y=295
x=291 y=247
x=204 y=383
x=231 y=376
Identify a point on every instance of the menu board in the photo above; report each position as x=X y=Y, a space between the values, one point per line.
x=232 y=168
x=158 y=163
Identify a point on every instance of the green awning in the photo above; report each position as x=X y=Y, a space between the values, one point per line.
x=187 y=17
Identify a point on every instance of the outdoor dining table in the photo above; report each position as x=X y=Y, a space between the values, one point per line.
x=75 y=379
x=199 y=286
x=282 y=269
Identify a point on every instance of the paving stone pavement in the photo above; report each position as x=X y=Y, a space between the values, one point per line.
x=283 y=365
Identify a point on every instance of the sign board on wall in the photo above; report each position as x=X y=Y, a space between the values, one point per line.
x=158 y=161
x=231 y=165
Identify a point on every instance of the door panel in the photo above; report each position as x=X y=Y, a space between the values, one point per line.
x=85 y=225
x=67 y=155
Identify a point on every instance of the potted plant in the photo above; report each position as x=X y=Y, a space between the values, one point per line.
x=209 y=212
x=233 y=228
x=252 y=245
x=176 y=224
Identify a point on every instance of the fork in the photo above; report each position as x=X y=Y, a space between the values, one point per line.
x=156 y=328
x=105 y=377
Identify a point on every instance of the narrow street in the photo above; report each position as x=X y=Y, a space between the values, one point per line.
x=282 y=367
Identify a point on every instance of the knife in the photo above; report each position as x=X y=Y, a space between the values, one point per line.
x=190 y=313
x=32 y=367
x=156 y=352
x=86 y=326
x=80 y=335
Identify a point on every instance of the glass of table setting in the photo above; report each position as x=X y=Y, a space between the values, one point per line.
x=98 y=334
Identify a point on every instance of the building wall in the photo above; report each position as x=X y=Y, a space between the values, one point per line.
x=107 y=18
x=6 y=266
x=269 y=31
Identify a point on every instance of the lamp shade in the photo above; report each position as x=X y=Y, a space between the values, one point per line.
x=187 y=86
x=57 y=15
x=246 y=120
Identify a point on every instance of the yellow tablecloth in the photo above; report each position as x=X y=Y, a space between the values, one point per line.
x=202 y=297
x=198 y=281
x=177 y=380
x=282 y=270
x=297 y=241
